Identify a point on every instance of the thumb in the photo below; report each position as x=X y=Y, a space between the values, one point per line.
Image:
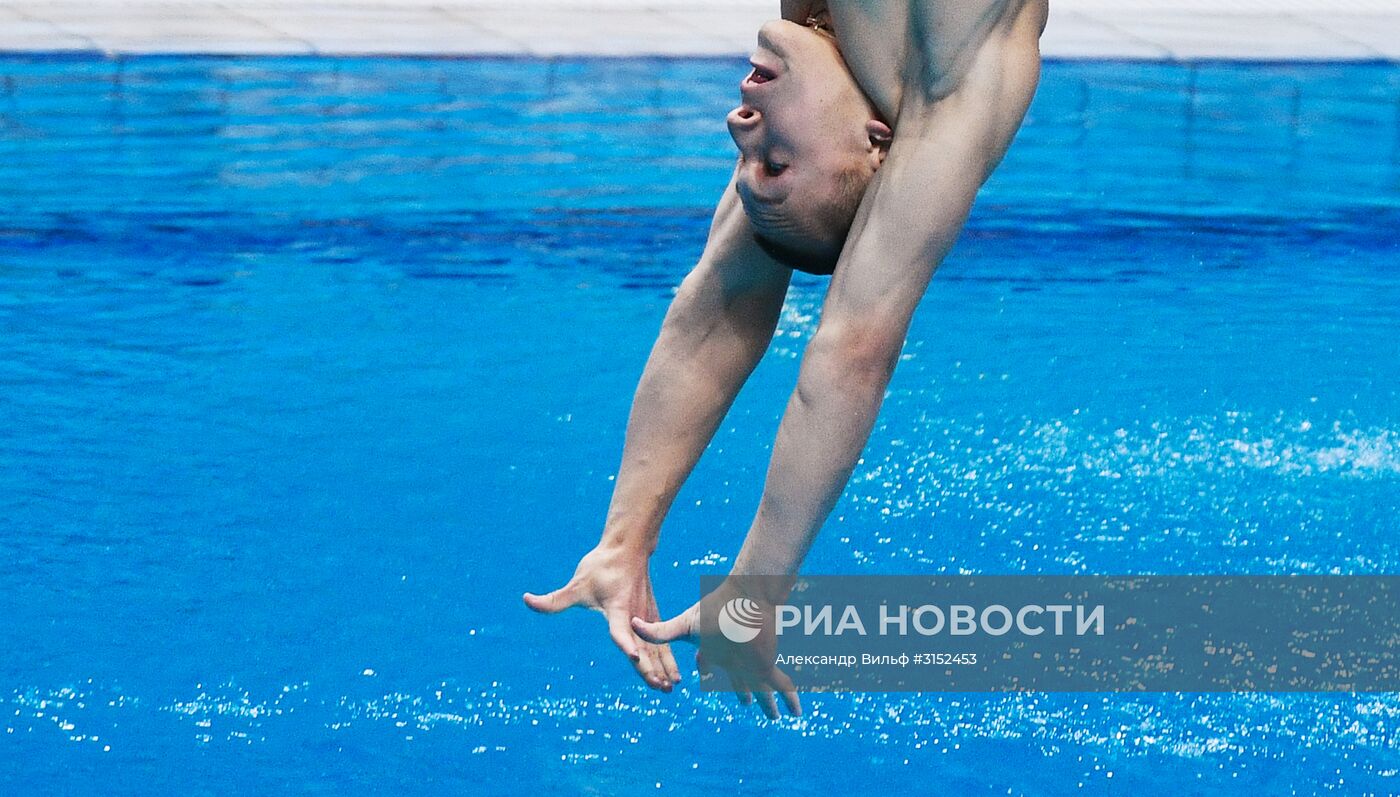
x=679 y=627
x=550 y=603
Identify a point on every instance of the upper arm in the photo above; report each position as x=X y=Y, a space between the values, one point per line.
x=920 y=198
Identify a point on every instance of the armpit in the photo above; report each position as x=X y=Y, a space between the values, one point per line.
x=950 y=35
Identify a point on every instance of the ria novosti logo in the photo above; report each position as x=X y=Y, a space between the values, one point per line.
x=740 y=620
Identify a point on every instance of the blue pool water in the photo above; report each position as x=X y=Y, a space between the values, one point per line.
x=309 y=367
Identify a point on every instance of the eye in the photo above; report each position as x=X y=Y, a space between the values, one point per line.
x=774 y=169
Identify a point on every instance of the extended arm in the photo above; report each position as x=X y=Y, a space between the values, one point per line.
x=899 y=237
x=951 y=146
x=716 y=330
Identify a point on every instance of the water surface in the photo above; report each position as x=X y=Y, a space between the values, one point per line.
x=308 y=367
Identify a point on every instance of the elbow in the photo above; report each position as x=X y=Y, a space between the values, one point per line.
x=856 y=355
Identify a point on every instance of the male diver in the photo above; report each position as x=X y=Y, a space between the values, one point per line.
x=867 y=128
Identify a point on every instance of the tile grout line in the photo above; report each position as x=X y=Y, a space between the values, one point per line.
x=694 y=30
x=281 y=34
x=521 y=47
x=1338 y=35
x=634 y=14
x=1167 y=54
x=91 y=43
x=655 y=21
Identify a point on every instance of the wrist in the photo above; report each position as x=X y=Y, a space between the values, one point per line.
x=769 y=589
x=623 y=543
x=758 y=561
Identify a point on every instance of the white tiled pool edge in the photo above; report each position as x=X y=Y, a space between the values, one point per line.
x=1135 y=29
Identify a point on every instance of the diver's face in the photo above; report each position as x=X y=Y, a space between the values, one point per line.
x=802 y=123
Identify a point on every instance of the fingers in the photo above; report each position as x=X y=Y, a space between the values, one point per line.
x=663 y=652
x=654 y=663
x=783 y=683
x=741 y=689
x=707 y=672
x=553 y=602
x=622 y=636
x=668 y=663
x=678 y=627
x=643 y=657
x=766 y=692
x=792 y=703
x=767 y=703
x=658 y=677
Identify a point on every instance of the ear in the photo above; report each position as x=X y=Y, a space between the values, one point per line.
x=880 y=138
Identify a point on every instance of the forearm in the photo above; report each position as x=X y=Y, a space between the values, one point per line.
x=717 y=329
x=823 y=431
x=695 y=370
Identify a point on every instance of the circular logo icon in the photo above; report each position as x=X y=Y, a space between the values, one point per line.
x=740 y=620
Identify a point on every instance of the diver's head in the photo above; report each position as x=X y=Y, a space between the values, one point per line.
x=809 y=142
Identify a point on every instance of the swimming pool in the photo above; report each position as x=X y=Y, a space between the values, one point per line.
x=311 y=366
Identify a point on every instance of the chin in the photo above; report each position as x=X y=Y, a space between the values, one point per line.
x=820 y=263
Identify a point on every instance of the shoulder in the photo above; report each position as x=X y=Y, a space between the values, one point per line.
x=950 y=37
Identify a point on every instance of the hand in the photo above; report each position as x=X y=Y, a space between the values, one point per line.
x=617 y=583
x=749 y=665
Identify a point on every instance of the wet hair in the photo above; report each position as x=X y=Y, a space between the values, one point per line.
x=835 y=216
